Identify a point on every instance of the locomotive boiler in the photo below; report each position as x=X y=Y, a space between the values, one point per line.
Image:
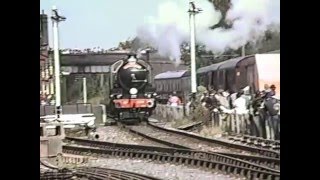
x=132 y=97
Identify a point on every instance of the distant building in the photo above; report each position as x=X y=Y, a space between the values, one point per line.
x=46 y=68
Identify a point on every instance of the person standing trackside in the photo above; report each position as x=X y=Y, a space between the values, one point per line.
x=273 y=90
x=272 y=116
x=174 y=100
x=266 y=88
x=241 y=111
x=258 y=124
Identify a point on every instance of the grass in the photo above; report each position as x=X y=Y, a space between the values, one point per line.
x=180 y=122
x=210 y=132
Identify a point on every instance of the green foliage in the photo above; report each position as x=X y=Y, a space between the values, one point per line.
x=95 y=87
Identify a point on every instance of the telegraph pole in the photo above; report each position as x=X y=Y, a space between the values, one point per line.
x=55 y=21
x=192 y=12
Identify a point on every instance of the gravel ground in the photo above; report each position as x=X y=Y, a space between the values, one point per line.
x=164 y=171
x=184 y=141
x=115 y=134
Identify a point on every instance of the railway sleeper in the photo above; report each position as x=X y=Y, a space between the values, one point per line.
x=197 y=162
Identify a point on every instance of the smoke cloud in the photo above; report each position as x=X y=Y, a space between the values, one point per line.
x=250 y=20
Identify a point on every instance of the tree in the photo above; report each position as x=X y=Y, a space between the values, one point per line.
x=223 y=6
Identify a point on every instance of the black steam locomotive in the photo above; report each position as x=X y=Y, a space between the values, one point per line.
x=132 y=97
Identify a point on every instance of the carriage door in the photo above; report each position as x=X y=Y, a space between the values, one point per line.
x=250 y=77
x=230 y=80
x=209 y=77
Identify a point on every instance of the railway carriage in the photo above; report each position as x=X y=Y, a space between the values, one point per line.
x=172 y=81
x=234 y=74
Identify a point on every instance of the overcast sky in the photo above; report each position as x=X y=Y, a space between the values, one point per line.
x=104 y=23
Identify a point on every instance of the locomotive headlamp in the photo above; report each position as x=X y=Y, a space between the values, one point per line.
x=119 y=96
x=133 y=91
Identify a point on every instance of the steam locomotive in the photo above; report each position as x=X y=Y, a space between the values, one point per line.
x=132 y=97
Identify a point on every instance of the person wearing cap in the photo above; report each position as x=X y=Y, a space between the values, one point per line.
x=272 y=118
x=258 y=128
x=273 y=90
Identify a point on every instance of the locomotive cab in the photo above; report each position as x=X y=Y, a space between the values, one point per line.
x=131 y=95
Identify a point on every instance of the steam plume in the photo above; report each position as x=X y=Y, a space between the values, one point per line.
x=250 y=20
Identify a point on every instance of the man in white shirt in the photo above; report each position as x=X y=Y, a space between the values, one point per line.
x=240 y=107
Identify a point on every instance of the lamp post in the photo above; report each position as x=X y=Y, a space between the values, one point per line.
x=192 y=12
x=56 y=18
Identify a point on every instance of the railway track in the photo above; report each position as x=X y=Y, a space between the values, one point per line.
x=105 y=149
x=93 y=173
x=97 y=173
x=194 y=140
x=255 y=141
x=260 y=160
x=45 y=165
x=51 y=172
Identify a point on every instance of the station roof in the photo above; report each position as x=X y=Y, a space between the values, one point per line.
x=91 y=59
x=172 y=74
